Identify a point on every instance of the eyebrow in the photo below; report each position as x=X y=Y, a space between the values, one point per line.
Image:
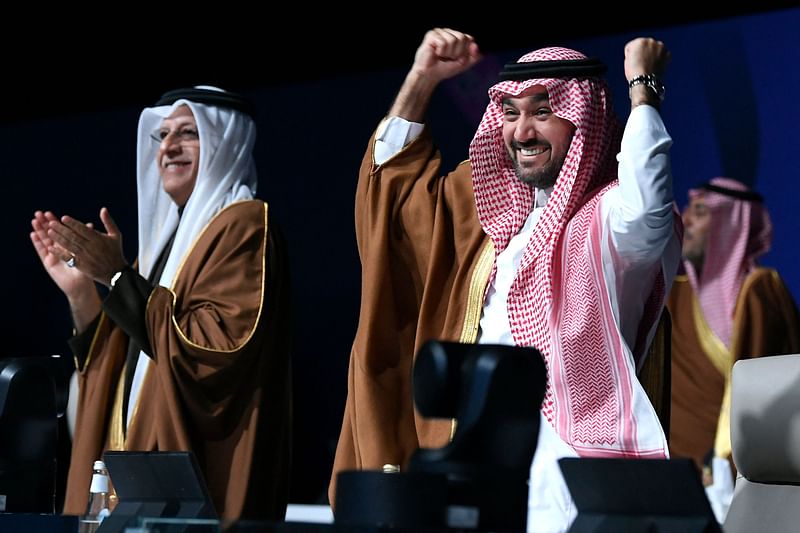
x=537 y=98
x=178 y=122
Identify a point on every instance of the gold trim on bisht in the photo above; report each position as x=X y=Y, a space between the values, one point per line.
x=477 y=289
x=716 y=351
x=722 y=359
x=116 y=435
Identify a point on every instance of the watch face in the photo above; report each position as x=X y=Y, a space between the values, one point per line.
x=652 y=82
x=659 y=89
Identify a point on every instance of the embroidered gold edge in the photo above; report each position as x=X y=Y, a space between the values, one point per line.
x=116 y=436
x=477 y=287
x=171 y=290
x=712 y=346
x=722 y=438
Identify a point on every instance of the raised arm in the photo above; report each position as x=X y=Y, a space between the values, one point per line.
x=643 y=227
x=444 y=53
x=642 y=221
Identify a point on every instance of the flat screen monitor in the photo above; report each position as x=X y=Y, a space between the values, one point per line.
x=652 y=495
x=155 y=484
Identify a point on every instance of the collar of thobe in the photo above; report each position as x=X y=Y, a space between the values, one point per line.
x=541 y=196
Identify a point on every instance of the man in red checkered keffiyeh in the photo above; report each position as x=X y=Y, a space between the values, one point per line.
x=533 y=241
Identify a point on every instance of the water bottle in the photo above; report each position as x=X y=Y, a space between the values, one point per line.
x=97 y=507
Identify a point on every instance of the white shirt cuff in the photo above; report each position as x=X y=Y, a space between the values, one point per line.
x=393 y=134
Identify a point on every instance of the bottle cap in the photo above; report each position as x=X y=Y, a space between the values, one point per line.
x=99 y=478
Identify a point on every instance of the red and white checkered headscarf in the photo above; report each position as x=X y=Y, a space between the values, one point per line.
x=558 y=301
x=740 y=232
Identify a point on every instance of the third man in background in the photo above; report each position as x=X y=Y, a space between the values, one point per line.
x=724 y=308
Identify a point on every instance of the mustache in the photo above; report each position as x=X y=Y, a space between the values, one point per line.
x=517 y=145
